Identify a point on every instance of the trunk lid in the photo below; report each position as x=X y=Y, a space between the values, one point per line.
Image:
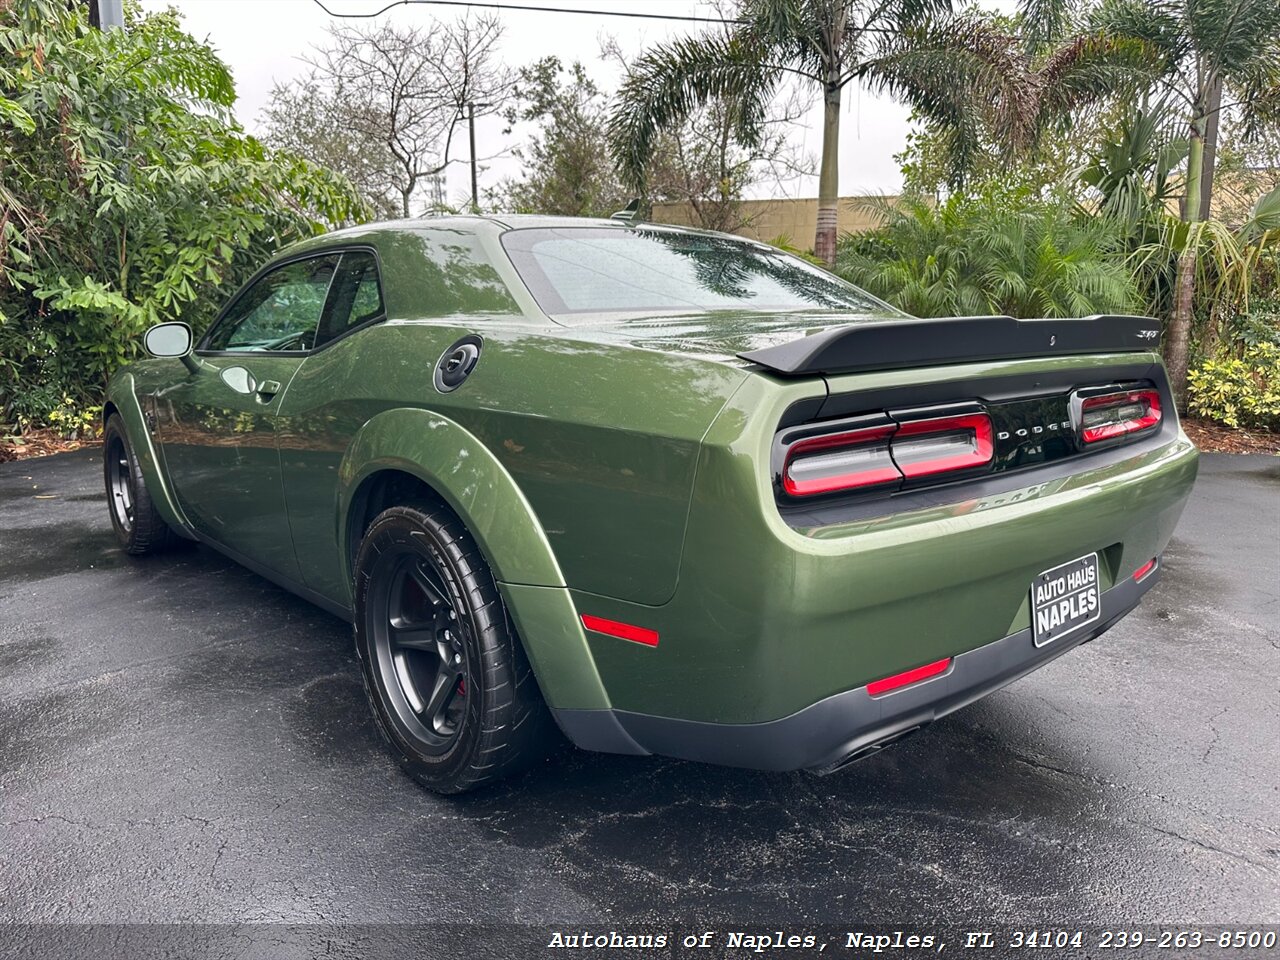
x=722 y=336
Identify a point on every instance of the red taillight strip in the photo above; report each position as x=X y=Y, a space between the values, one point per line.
x=984 y=446
x=1146 y=568
x=845 y=481
x=623 y=631
x=1108 y=430
x=899 y=680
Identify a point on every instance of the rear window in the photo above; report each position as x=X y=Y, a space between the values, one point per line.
x=582 y=270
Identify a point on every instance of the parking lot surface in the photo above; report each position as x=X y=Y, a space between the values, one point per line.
x=182 y=741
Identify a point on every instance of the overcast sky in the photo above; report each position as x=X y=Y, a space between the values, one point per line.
x=263 y=42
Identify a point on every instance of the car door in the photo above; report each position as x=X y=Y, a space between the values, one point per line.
x=330 y=402
x=218 y=425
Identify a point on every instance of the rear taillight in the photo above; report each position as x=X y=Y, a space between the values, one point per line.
x=850 y=460
x=1118 y=414
x=922 y=448
x=886 y=453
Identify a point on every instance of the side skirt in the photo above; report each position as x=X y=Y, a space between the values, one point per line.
x=306 y=593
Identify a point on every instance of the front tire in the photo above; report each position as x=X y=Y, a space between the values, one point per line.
x=448 y=681
x=138 y=526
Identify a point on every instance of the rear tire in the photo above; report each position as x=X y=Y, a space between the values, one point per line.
x=447 y=678
x=138 y=526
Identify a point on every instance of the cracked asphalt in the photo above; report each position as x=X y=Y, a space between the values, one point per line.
x=182 y=741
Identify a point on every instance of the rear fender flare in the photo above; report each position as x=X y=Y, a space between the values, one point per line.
x=462 y=471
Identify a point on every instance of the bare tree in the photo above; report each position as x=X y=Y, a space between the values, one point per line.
x=305 y=118
x=384 y=104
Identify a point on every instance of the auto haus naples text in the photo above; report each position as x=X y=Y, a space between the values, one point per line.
x=1067 y=597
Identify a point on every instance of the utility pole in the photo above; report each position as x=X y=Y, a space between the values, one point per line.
x=471 y=127
x=105 y=14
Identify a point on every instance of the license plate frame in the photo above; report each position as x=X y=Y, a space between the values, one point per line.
x=1065 y=598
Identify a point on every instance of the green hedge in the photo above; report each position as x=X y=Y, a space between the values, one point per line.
x=128 y=195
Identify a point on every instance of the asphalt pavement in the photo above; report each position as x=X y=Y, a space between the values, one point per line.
x=182 y=741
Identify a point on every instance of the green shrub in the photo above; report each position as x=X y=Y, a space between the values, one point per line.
x=1260 y=324
x=1239 y=391
x=997 y=251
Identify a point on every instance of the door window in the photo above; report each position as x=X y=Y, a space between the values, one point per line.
x=356 y=298
x=280 y=312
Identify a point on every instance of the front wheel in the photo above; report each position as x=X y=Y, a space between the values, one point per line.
x=138 y=525
x=449 y=683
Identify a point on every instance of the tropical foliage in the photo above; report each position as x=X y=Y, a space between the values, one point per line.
x=1215 y=54
x=1000 y=93
x=128 y=195
x=994 y=253
x=566 y=163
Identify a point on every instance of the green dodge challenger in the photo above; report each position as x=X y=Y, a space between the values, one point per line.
x=667 y=491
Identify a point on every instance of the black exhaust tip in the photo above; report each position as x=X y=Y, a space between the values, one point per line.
x=865 y=751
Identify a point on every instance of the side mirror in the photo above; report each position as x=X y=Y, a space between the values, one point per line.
x=169 y=340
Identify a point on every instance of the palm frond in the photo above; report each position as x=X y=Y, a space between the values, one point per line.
x=1044 y=21
x=673 y=80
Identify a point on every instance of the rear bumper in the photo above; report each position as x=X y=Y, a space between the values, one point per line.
x=849 y=725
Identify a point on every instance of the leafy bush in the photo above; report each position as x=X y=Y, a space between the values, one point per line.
x=1259 y=324
x=1006 y=252
x=1239 y=391
x=128 y=195
x=73 y=421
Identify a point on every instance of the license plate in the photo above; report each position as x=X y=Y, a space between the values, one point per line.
x=1065 y=599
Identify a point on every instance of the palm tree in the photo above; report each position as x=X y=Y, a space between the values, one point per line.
x=827 y=42
x=1134 y=172
x=1217 y=55
x=992 y=84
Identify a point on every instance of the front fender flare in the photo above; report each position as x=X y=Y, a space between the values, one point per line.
x=122 y=395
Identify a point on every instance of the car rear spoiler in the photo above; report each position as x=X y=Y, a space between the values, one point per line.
x=893 y=344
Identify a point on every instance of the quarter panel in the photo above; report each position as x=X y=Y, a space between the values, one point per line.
x=603 y=441
x=599 y=441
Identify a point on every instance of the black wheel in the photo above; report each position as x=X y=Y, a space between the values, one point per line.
x=138 y=526
x=449 y=683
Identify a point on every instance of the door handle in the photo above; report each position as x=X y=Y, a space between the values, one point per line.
x=266 y=390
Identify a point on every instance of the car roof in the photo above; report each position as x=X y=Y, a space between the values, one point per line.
x=500 y=223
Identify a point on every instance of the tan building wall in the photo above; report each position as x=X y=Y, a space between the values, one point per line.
x=767 y=220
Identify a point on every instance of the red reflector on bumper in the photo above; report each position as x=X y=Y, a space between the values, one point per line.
x=623 y=631
x=909 y=677
x=1146 y=568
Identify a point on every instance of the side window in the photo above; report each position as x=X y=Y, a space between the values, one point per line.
x=280 y=311
x=356 y=298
